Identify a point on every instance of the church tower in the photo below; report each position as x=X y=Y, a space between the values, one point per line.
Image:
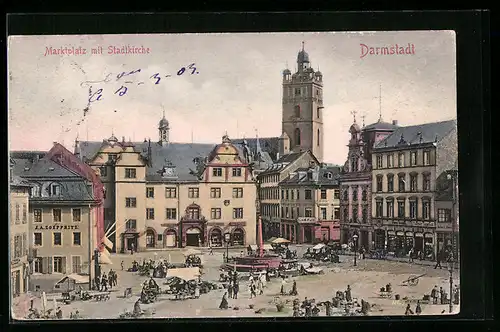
x=163 y=131
x=302 y=118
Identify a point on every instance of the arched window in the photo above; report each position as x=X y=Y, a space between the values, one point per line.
x=364 y=195
x=297 y=136
x=150 y=238
x=318 y=137
x=296 y=111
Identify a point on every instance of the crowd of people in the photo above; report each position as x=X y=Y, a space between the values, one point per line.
x=105 y=282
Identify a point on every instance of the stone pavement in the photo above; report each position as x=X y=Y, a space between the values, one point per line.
x=365 y=280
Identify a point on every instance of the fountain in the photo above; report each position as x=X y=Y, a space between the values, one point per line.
x=259 y=261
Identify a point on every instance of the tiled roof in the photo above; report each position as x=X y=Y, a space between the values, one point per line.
x=74 y=190
x=45 y=168
x=380 y=125
x=319 y=176
x=418 y=134
x=42 y=171
x=19 y=181
x=183 y=156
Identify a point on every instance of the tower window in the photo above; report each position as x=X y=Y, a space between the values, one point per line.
x=318 y=137
x=297 y=91
x=296 y=111
x=297 y=136
x=318 y=112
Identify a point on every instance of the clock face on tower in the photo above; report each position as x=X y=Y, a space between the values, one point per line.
x=169 y=171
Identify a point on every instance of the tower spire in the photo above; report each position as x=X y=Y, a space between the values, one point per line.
x=363 y=117
x=353 y=112
x=303 y=45
x=380 y=103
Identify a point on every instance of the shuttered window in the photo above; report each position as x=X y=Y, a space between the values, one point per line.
x=76 y=263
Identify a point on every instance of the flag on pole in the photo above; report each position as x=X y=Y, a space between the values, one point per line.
x=104 y=257
x=107 y=242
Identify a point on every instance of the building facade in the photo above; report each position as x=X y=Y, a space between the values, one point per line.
x=302 y=119
x=310 y=205
x=406 y=166
x=269 y=189
x=356 y=182
x=19 y=234
x=62 y=229
x=166 y=194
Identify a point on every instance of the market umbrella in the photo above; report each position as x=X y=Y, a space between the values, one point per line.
x=271 y=239
x=280 y=240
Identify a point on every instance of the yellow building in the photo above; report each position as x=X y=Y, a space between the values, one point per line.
x=18 y=231
x=163 y=194
x=269 y=188
x=310 y=205
x=61 y=218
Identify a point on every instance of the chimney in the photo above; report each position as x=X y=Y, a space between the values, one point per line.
x=395 y=122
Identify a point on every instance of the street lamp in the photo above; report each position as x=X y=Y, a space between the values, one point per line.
x=30 y=259
x=452 y=175
x=450 y=269
x=355 y=238
x=227 y=239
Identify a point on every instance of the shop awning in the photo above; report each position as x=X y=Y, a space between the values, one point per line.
x=194 y=252
x=419 y=235
x=187 y=273
x=400 y=233
x=409 y=234
x=78 y=279
x=391 y=233
x=318 y=246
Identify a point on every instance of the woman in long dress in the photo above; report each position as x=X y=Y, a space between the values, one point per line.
x=224 y=304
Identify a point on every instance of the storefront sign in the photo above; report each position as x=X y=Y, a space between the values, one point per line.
x=238 y=224
x=306 y=220
x=56 y=227
x=400 y=233
x=169 y=225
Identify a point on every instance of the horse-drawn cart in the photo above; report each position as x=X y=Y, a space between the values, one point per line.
x=412 y=280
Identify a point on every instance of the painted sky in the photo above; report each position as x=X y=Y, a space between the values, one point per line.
x=237 y=87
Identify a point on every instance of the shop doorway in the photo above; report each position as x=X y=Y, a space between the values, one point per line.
x=193 y=237
x=364 y=240
x=308 y=234
x=170 y=239
x=216 y=238
x=16 y=283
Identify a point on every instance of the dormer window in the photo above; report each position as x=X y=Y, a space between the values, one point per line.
x=35 y=191
x=55 y=190
x=112 y=157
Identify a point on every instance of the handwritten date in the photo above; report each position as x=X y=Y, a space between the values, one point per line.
x=155 y=78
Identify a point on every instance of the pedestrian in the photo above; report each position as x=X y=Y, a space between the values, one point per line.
x=197 y=292
x=456 y=295
x=434 y=295
x=348 y=296
x=230 y=290
x=441 y=295
x=294 y=291
x=260 y=286
x=122 y=265
x=98 y=283
x=253 y=292
x=438 y=260
x=211 y=252
x=408 y=310
x=411 y=255
x=236 y=289
x=224 y=304
x=59 y=313
x=418 y=309
x=283 y=284
x=104 y=282
x=328 y=310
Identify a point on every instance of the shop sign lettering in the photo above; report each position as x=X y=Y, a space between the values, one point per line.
x=55 y=227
